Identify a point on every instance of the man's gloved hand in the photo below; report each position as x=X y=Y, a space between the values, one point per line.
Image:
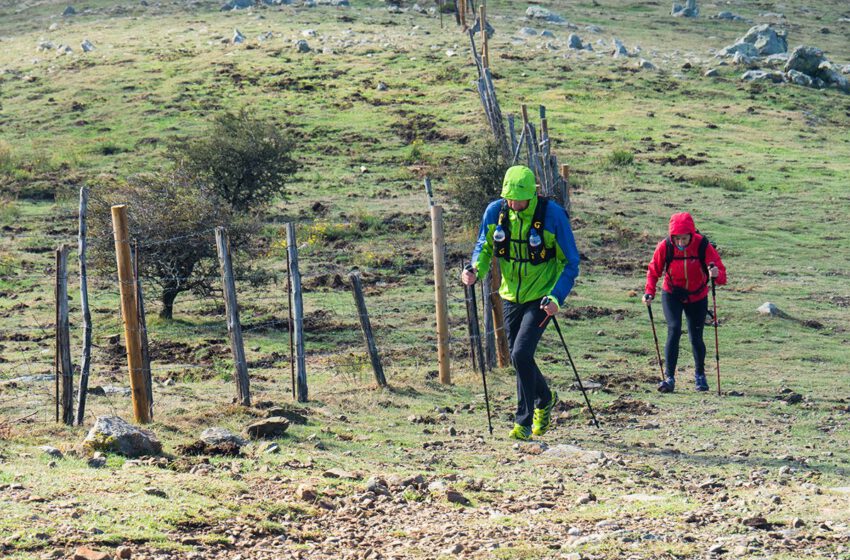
x=647 y=299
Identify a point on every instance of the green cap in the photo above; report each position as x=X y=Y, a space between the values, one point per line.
x=519 y=183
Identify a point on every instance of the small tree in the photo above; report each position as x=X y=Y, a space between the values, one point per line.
x=172 y=217
x=245 y=161
x=478 y=181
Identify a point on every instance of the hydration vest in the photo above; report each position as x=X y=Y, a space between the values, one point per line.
x=536 y=255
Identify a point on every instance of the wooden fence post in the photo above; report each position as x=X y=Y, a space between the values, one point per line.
x=129 y=313
x=298 y=305
x=565 y=186
x=440 y=293
x=366 y=327
x=231 y=307
x=63 y=337
x=489 y=330
x=503 y=354
x=290 y=326
x=85 y=364
x=485 y=45
x=143 y=329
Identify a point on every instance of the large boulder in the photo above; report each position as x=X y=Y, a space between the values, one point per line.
x=221 y=436
x=690 y=9
x=805 y=59
x=268 y=427
x=746 y=49
x=766 y=39
x=537 y=12
x=116 y=435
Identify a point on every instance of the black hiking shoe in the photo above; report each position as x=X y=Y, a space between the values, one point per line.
x=667 y=385
x=701 y=382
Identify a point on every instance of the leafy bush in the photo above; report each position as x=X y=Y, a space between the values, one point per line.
x=173 y=218
x=246 y=161
x=478 y=181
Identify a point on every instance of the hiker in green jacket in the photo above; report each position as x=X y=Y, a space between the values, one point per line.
x=538 y=259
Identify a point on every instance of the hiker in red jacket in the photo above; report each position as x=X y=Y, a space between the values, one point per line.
x=687 y=261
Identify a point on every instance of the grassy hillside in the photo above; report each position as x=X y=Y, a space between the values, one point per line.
x=763 y=168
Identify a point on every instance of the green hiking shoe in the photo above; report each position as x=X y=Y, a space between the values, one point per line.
x=543 y=416
x=522 y=433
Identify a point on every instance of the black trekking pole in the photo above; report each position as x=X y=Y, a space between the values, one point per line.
x=469 y=323
x=476 y=336
x=575 y=371
x=655 y=336
x=716 y=338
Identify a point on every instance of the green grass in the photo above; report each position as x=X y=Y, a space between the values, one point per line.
x=769 y=187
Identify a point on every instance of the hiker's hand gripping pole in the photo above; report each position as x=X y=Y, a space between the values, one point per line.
x=543 y=302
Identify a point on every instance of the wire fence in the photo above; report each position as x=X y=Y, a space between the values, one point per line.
x=195 y=346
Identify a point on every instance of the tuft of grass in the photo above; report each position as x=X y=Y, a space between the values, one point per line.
x=717 y=182
x=620 y=157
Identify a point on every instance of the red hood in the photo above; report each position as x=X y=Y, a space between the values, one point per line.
x=682 y=224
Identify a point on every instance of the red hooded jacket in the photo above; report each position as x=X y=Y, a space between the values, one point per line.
x=684 y=272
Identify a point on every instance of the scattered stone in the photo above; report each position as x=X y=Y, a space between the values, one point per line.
x=528 y=31
x=302 y=46
x=51 y=451
x=97 y=461
x=619 y=48
x=455 y=497
x=574 y=42
x=593 y=29
x=308 y=33
x=237 y=5
x=377 y=486
x=456 y=549
x=688 y=10
x=219 y=436
x=711 y=73
x=757 y=522
x=797 y=523
x=537 y=12
x=728 y=16
x=585 y=499
x=268 y=427
x=45 y=46
x=548 y=34
x=87 y=46
x=799 y=79
x=266 y=36
x=306 y=493
x=112 y=433
x=717 y=549
x=768 y=308
x=53 y=27
x=65 y=49
x=745 y=49
x=152 y=491
x=789 y=397
x=237 y=37
x=86 y=553
x=69 y=11
x=643 y=64
x=124 y=553
x=341 y=473
x=269 y=448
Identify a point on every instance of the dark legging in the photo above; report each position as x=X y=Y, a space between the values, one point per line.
x=695 y=314
x=522 y=322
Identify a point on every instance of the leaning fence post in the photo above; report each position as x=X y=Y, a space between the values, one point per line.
x=298 y=304
x=366 y=327
x=439 y=250
x=85 y=364
x=143 y=329
x=231 y=307
x=63 y=337
x=129 y=313
x=489 y=330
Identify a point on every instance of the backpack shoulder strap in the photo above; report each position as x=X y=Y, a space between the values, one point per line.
x=703 y=247
x=540 y=213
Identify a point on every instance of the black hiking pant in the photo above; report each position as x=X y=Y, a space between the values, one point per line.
x=522 y=322
x=695 y=313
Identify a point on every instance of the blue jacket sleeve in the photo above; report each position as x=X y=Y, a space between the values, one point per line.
x=483 y=253
x=566 y=245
